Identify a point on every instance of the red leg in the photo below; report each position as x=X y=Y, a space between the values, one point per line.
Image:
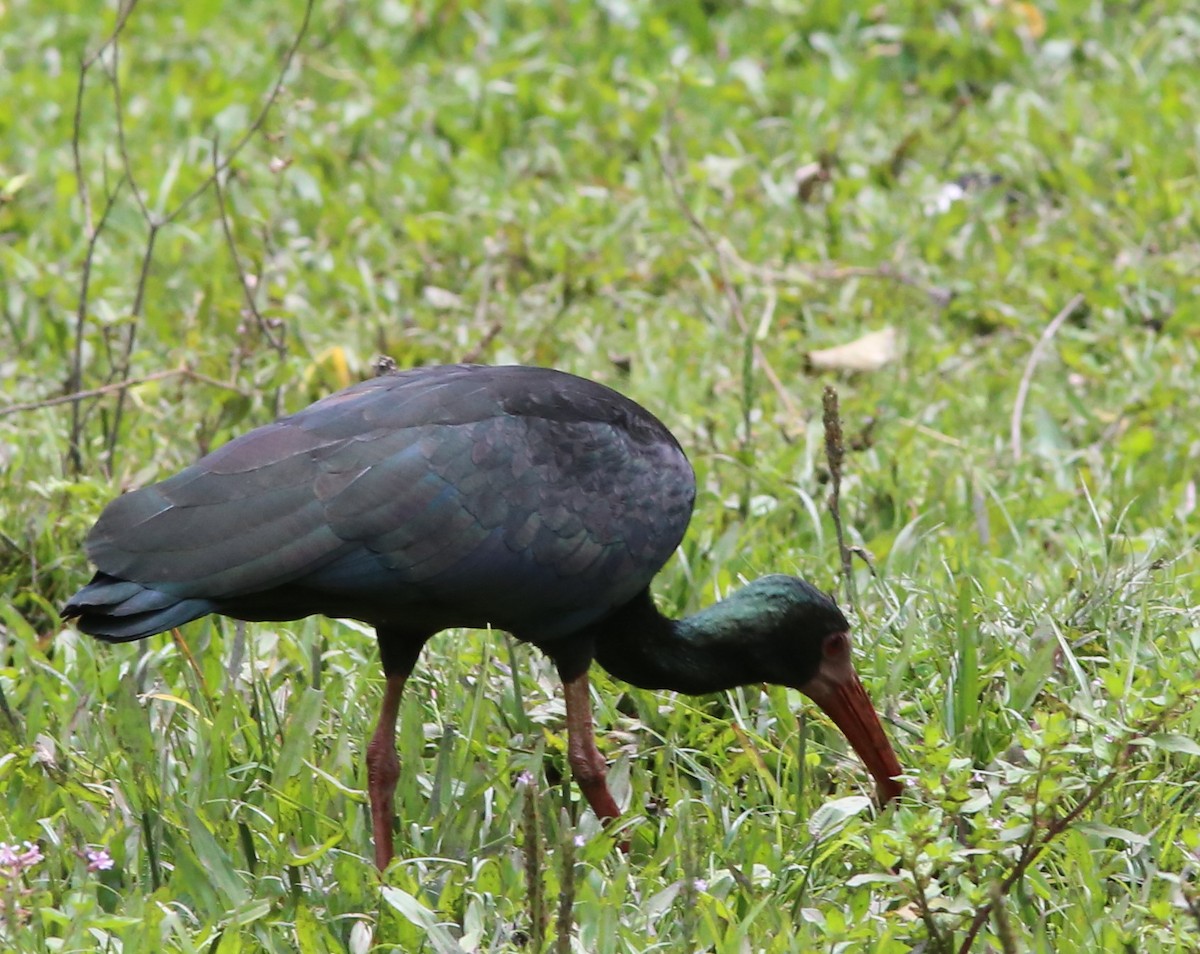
x=383 y=769
x=587 y=764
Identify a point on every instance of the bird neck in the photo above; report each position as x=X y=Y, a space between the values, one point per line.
x=712 y=650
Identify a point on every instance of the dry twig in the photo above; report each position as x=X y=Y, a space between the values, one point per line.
x=727 y=286
x=278 y=344
x=1050 y=829
x=155 y=222
x=835 y=451
x=259 y=120
x=76 y=396
x=808 y=274
x=1034 y=357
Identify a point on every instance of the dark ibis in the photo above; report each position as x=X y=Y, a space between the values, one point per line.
x=524 y=499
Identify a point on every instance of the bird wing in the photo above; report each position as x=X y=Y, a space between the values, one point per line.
x=524 y=503
x=242 y=519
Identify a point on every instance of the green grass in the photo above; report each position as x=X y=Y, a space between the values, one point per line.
x=1028 y=624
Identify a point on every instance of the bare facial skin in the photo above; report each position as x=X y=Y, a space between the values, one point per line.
x=837 y=690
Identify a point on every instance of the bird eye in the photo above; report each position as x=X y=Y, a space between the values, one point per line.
x=837 y=646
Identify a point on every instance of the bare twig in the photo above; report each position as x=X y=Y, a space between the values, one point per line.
x=114 y=77
x=808 y=274
x=92 y=228
x=481 y=346
x=937 y=941
x=121 y=368
x=122 y=363
x=1033 y=849
x=835 y=451
x=118 y=386
x=1035 y=846
x=278 y=344
x=75 y=378
x=257 y=124
x=126 y=361
x=1034 y=357
x=727 y=285
x=1004 y=931
x=85 y=65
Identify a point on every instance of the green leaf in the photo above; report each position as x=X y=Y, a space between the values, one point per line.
x=832 y=815
x=1175 y=742
x=301 y=731
x=417 y=914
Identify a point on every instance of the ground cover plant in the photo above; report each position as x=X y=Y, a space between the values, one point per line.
x=977 y=223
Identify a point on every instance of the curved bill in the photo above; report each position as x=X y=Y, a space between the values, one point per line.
x=837 y=690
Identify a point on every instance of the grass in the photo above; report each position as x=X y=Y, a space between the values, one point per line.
x=610 y=189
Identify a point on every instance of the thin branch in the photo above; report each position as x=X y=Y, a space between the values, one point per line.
x=81 y=186
x=122 y=146
x=1034 y=357
x=126 y=360
x=727 y=285
x=938 y=942
x=1034 y=848
x=807 y=274
x=122 y=365
x=120 y=368
x=279 y=345
x=257 y=124
x=1031 y=851
x=75 y=378
x=85 y=64
x=91 y=228
x=1004 y=931
x=120 y=386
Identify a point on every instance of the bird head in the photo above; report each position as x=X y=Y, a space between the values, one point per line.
x=809 y=649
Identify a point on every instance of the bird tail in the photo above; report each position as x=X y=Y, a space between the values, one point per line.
x=119 y=611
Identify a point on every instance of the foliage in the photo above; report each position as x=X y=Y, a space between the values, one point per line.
x=611 y=189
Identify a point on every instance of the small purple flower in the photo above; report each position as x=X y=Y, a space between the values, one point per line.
x=14 y=860
x=700 y=884
x=580 y=841
x=99 y=860
x=526 y=779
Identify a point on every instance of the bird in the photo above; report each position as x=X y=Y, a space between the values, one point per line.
x=519 y=498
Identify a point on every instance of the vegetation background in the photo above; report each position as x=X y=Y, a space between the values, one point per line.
x=214 y=212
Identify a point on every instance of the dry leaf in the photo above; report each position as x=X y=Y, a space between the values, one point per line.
x=1032 y=19
x=868 y=353
x=807 y=178
x=441 y=298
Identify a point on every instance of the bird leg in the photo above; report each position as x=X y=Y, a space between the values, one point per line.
x=587 y=764
x=383 y=768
